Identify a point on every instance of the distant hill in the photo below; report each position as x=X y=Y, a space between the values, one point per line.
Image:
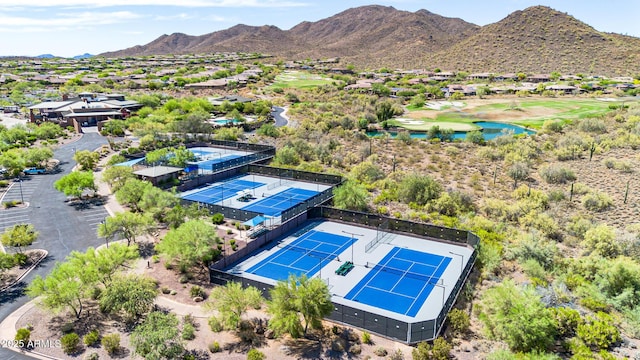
x=535 y=40
x=83 y=56
x=45 y=56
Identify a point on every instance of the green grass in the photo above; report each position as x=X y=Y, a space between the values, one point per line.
x=300 y=80
x=567 y=109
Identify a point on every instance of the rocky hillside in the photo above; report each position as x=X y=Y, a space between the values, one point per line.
x=535 y=40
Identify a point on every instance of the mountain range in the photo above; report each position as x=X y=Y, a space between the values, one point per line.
x=534 y=40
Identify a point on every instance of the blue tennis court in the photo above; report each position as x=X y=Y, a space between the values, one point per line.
x=274 y=204
x=401 y=281
x=206 y=165
x=222 y=191
x=305 y=255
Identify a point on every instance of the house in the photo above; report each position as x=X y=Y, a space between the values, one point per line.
x=567 y=89
x=85 y=110
x=539 y=78
x=480 y=76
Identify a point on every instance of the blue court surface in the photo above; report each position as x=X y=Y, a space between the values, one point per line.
x=306 y=255
x=208 y=164
x=222 y=191
x=274 y=204
x=401 y=281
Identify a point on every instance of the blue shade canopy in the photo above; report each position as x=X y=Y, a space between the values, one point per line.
x=255 y=221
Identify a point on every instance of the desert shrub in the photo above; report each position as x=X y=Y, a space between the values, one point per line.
x=70 y=343
x=474 y=137
x=380 y=351
x=92 y=356
x=505 y=354
x=535 y=272
x=599 y=332
x=552 y=126
x=594 y=125
x=578 y=226
x=441 y=349
x=418 y=189
x=367 y=172
x=396 y=355
x=459 y=321
x=490 y=153
x=366 y=337
x=22 y=337
x=355 y=349
x=556 y=195
x=91 y=338
x=597 y=201
x=217 y=218
x=602 y=240
x=555 y=174
x=111 y=343
x=404 y=137
x=517 y=316
x=197 y=291
x=255 y=354
x=188 y=332
x=214 y=347
x=215 y=324
x=518 y=171
x=530 y=246
x=619 y=281
x=567 y=321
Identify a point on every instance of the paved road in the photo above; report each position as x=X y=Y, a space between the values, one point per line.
x=277 y=114
x=63 y=228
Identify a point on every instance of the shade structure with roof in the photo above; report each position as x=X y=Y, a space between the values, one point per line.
x=255 y=221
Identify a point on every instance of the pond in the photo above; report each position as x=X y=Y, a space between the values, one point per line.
x=226 y=121
x=490 y=130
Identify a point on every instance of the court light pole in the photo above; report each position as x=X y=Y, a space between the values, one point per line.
x=353 y=235
x=461 y=260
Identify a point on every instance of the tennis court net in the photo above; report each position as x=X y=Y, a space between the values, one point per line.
x=310 y=252
x=402 y=273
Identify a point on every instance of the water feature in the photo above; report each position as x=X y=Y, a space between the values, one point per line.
x=226 y=121
x=490 y=130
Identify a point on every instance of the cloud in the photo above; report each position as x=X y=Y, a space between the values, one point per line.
x=64 y=21
x=183 y=3
x=181 y=16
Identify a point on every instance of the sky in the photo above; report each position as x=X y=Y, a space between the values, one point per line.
x=74 y=27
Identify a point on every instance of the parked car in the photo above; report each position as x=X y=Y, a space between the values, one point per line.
x=34 y=171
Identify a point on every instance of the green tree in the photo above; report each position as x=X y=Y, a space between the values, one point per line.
x=190 y=244
x=100 y=266
x=13 y=160
x=419 y=189
x=231 y=301
x=229 y=133
x=158 y=337
x=155 y=202
x=130 y=194
x=517 y=316
x=37 y=156
x=48 y=130
x=298 y=296
x=384 y=111
x=268 y=130
x=181 y=156
x=7 y=261
x=86 y=159
x=366 y=172
x=132 y=294
x=157 y=157
x=75 y=183
x=66 y=287
x=126 y=224
x=287 y=155
x=351 y=195
x=19 y=235
x=117 y=176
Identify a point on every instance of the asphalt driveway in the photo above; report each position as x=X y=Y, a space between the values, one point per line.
x=63 y=228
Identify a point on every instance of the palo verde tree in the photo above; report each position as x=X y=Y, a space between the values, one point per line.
x=66 y=287
x=351 y=195
x=156 y=202
x=134 y=295
x=231 y=301
x=131 y=192
x=100 y=266
x=127 y=225
x=117 y=176
x=75 y=183
x=295 y=298
x=19 y=236
x=86 y=159
x=192 y=243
